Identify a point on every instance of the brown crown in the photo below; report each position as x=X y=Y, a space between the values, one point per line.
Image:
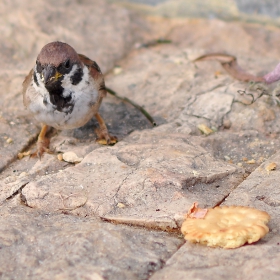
x=56 y=53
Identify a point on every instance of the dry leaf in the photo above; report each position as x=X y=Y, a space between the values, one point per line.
x=205 y=129
x=195 y=212
x=270 y=167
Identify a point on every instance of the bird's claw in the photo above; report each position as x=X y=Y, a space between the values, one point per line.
x=104 y=138
x=42 y=147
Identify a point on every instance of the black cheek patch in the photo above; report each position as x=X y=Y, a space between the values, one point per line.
x=35 y=79
x=77 y=77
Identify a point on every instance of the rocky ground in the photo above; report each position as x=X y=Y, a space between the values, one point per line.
x=117 y=214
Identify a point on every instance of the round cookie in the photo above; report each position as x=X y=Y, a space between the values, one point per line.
x=227 y=227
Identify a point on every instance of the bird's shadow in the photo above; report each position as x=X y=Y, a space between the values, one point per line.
x=121 y=119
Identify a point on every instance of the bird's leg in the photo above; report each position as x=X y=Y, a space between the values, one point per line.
x=42 y=143
x=103 y=136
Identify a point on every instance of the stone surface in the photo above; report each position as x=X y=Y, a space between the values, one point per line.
x=152 y=175
x=101 y=31
x=206 y=106
x=193 y=261
x=15 y=135
x=155 y=176
x=45 y=245
x=261 y=190
x=261 y=260
x=167 y=76
x=247 y=149
x=186 y=94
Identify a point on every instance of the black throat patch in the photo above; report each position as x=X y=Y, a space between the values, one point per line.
x=61 y=103
x=55 y=89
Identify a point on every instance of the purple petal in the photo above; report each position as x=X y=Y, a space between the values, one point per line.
x=273 y=76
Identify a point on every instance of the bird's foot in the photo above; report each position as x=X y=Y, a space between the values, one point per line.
x=42 y=147
x=104 y=138
x=42 y=143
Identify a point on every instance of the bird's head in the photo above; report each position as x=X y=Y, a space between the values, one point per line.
x=54 y=61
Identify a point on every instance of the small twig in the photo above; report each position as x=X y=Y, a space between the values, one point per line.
x=243 y=92
x=154 y=43
x=141 y=109
x=260 y=89
x=229 y=63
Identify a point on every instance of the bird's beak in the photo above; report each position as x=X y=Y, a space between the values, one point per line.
x=50 y=74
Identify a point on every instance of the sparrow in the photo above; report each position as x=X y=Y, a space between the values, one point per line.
x=64 y=90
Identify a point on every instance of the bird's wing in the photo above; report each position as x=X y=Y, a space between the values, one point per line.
x=25 y=85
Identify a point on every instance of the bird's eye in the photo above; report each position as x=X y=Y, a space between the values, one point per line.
x=67 y=63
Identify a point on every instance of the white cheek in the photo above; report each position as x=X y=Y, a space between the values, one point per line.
x=66 y=82
x=41 y=88
x=82 y=88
